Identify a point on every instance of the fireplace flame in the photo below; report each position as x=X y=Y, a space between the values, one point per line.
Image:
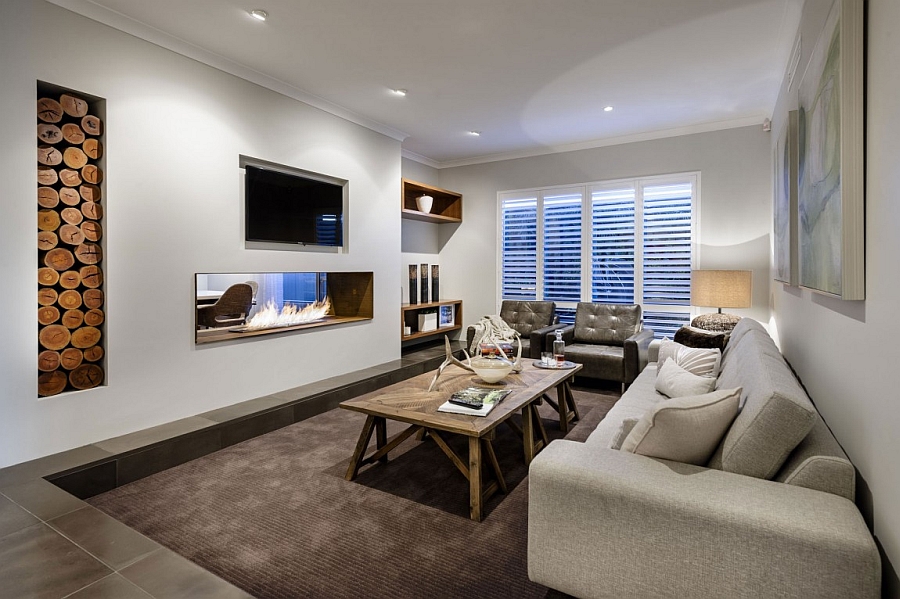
x=270 y=318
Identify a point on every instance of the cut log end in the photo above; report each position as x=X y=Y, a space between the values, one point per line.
x=73 y=105
x=69 y=196
x=49 y=134
x=75 y=157
x=48 y=220
x=48 y=155
x=52 y=383
x=69 y=280
x=71 y=358
x=73 y=134
x=92 y=278
x=69 y=299
x=48 y=276
x=92 y=174
x=86 y=376
x=72 y=216
x=47 y=175
x=59 y=259
x=93 y=298
x=84 y=337
x=49 y=110
x=92 y=125
x=70 y=178
x=54 y=337
x=48 y=361
x=72 y=319
x=47 y=296
x=47 y=240
x=48 y=315
x=92 y=230
x=93 y=148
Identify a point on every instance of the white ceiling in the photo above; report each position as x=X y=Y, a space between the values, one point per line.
x=532 y=76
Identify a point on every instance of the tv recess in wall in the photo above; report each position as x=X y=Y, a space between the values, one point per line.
x=284 y=207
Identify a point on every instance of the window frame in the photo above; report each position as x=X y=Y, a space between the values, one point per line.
x=587 y=190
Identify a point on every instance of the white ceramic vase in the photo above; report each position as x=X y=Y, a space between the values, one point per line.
x=423 y=203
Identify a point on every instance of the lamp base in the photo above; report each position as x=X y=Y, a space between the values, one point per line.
x=718 y=322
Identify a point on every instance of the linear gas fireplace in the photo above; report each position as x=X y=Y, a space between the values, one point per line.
x=231 y=306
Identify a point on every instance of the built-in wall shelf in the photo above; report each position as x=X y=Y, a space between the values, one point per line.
x=409 y=317
x=446 y=208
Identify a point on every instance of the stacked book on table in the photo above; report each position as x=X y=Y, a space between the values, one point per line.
x=474 y=401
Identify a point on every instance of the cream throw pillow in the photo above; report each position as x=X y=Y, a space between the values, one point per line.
x=702 y=362
x=674 y=381
x=685 y=429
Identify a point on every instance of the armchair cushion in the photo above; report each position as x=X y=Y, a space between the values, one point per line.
x=526 y=316
x=606 y=324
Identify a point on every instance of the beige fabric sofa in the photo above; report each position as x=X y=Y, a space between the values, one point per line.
x=772 y=514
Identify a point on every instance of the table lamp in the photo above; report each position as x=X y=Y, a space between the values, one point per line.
x=720 y=289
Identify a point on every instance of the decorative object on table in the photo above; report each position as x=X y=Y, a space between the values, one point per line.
x=552 y=365
x=435 y=293
x=559 y=348
x=413 y=282
x=500 y=348
x=491 y=369
x=423 y=284
x=533 y=320
x=424 y=203
x=720 y=289
x=427 y=321
x=491 y=329
x=467 y=365
x=785 y=205
x=446 y=316
x=831 y=157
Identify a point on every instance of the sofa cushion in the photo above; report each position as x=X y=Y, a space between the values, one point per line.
x=598 y=361
x=623 y=432
x=693 y=337
x=606 y=324
x=685 y=429
x=702 y=362
x=776 y=413
x=674 y=381
x=634 y=403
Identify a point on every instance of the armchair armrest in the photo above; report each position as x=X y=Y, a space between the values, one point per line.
x=637 y=350
x=607 y=523
x=537 y=341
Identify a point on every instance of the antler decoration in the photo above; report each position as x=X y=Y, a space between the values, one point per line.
x=450 y=360
x=467 y=365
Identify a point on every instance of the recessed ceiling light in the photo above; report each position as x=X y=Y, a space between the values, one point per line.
x=259 y=14
x=607 y=109
x=399 y=92
x=475 y=133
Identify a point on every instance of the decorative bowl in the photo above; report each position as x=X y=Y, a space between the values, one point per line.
x=491 y=370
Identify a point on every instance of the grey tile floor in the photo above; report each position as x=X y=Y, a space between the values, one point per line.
x=55 y=546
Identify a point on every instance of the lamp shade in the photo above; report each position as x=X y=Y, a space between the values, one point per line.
x=721 y=288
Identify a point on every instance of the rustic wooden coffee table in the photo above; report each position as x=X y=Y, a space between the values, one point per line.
x=409 y=401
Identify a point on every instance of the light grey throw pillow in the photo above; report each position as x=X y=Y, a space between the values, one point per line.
x=622 y=433
x=674 y=381
x=685 y=429
x=699 y=361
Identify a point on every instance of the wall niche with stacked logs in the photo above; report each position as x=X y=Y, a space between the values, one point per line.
x=71 y=306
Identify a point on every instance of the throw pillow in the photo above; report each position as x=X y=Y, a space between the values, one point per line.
x=694 y=337
x=702 y=362
x=686 y=429
x=674 y=381
x=624 y=429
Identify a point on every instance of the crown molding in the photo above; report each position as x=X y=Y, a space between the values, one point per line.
x=611 y=141
x=140 y=30
x=420 y=159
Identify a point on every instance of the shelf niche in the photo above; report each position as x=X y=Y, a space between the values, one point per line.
x=447 y=206
x=350 y=294
x=409 y=317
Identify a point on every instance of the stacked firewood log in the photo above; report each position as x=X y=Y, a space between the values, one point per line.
x=70 y=275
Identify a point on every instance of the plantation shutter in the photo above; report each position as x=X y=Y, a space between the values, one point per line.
x=518 y=248
x=612 y=246
x=667 y=244
x=562 y=246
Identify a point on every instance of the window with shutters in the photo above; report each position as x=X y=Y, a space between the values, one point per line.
x=620 y=242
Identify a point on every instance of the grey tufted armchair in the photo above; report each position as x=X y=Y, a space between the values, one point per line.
x=532 y=319
x=608 y=340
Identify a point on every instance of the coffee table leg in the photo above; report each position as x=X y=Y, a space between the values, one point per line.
x=563 y=411
x=495 y=465
x=381 y=436
x=475 y=478
x=360 y=450
x=567 y=385
x=528 y=433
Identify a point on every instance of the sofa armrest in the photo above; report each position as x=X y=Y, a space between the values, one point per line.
x=538 y=339
x=636 y=351
x=607 y=523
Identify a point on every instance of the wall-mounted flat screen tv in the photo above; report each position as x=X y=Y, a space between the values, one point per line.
x=283 y=207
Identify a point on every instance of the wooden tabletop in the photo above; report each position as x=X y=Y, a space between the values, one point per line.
x=410 y=401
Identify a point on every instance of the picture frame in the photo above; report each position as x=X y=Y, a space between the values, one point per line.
x=831 y=175
x=785 y=213
x=446 y=316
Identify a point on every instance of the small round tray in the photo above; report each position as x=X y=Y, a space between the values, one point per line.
x=565 y=366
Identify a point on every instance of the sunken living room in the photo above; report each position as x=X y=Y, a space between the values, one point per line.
x=449 y=299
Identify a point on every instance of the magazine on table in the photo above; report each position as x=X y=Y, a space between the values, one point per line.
x=474 y=401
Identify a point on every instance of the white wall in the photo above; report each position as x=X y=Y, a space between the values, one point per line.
x=735 y=212
x=174 y=130
x=420 y=242
x=844 y=352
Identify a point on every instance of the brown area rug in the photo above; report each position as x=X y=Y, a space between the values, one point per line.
x=274 y=515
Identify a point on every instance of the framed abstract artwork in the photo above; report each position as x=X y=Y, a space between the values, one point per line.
x=831 y=203
x=785 y=207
